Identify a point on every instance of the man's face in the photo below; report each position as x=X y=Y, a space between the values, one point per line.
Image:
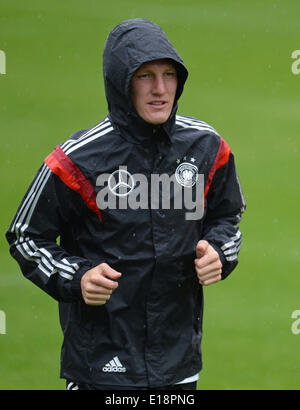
x=153 y=90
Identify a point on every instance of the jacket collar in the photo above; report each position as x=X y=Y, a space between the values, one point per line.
x=135 y=130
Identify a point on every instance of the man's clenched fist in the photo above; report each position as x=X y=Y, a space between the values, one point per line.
x=98 y=283
x=207 y=264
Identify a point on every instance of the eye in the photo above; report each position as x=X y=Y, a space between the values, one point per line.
x=143 y=76
x=170 y=74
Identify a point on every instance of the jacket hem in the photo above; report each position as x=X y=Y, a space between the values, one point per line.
x=130 y=380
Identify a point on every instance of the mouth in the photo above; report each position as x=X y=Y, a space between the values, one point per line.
x=158 y=104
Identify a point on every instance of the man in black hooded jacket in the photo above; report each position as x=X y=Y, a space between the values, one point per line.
x=128 y=271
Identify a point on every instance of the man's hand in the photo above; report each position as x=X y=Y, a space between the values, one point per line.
x=97 y=286
x=207 y=264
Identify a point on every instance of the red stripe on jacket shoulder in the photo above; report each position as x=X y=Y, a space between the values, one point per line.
x=221 y=159
x=61 y=165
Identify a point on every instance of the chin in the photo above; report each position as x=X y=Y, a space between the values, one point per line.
x=157 y=120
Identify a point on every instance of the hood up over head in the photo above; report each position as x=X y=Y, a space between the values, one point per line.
x=129 y=45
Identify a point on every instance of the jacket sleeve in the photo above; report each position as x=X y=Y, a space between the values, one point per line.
x=48 y=209
x=225 y=204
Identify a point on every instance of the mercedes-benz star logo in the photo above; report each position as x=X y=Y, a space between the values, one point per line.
x=121 y=182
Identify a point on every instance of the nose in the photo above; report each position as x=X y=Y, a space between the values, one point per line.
x=159 y=87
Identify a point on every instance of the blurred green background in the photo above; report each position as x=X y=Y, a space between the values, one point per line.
x=239 y=57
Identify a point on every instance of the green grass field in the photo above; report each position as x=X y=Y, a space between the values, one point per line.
x=239 y=57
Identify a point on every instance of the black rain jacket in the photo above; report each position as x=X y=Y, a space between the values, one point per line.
x=149 y=332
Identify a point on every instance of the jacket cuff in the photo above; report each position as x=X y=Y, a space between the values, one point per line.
x=227 y=267
x=76 y=282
